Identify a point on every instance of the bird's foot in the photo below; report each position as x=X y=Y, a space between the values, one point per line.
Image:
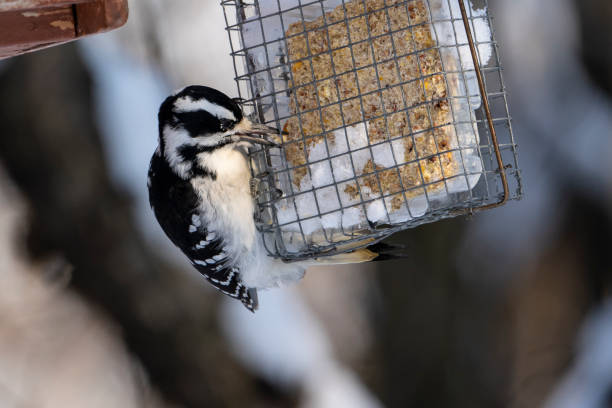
x=259 y=188
x=254 y=186
x=276 y=193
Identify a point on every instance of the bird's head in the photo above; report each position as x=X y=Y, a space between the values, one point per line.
x=198 y=119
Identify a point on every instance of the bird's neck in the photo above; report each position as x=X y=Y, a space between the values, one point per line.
x=228 y=163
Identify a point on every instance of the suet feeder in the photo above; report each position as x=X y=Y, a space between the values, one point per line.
x=394 y=115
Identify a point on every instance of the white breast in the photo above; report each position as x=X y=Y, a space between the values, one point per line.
x=229 y=164
x=231 y=218
x=230 y=196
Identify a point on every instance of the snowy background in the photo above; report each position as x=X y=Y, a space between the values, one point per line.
x=508 y=308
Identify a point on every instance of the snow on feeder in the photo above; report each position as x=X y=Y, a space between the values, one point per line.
x=387 y=123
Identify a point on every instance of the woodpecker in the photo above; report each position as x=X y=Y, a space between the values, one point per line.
x=200 y=191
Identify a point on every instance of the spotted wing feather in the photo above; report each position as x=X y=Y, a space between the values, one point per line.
x=175 y=204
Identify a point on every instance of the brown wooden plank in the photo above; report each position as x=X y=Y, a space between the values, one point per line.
x=14 y=5
x=100 y=15
x=25 y=30
x=10 y=51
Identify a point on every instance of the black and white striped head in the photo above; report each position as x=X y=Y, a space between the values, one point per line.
x=199 y=112
x=199 y=119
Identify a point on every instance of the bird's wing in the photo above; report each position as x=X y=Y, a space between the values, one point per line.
x=205 y=251
x=175 y=205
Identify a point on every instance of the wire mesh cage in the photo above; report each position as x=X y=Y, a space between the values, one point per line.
x=394 y=114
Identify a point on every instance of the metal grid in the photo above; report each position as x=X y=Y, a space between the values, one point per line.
x=266 y=86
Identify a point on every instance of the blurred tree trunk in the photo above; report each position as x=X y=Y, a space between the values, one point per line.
x=440 y=337
x=596 y=34
x=52 y=151
x=552 y=296
x=447 y=342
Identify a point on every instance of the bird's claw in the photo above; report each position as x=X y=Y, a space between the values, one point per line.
x=276 y=193
x=257 y=191
x=254 y=186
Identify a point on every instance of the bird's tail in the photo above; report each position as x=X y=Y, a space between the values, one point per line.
x=379 y=251
x=387 y=251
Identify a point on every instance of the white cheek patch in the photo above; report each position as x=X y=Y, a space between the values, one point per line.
x=187 y=104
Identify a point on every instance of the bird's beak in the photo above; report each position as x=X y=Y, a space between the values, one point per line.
x=247 y=131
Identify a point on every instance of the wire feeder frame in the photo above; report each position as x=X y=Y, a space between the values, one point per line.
x=496 y=148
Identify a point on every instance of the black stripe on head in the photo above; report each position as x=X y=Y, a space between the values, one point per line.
x=199 y=121
x=198 y=92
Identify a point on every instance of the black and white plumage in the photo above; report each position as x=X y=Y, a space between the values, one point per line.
x=177 y=207
x=199 y=189
x=200 y=192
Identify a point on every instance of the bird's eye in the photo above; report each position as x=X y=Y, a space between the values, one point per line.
x=225 y=124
